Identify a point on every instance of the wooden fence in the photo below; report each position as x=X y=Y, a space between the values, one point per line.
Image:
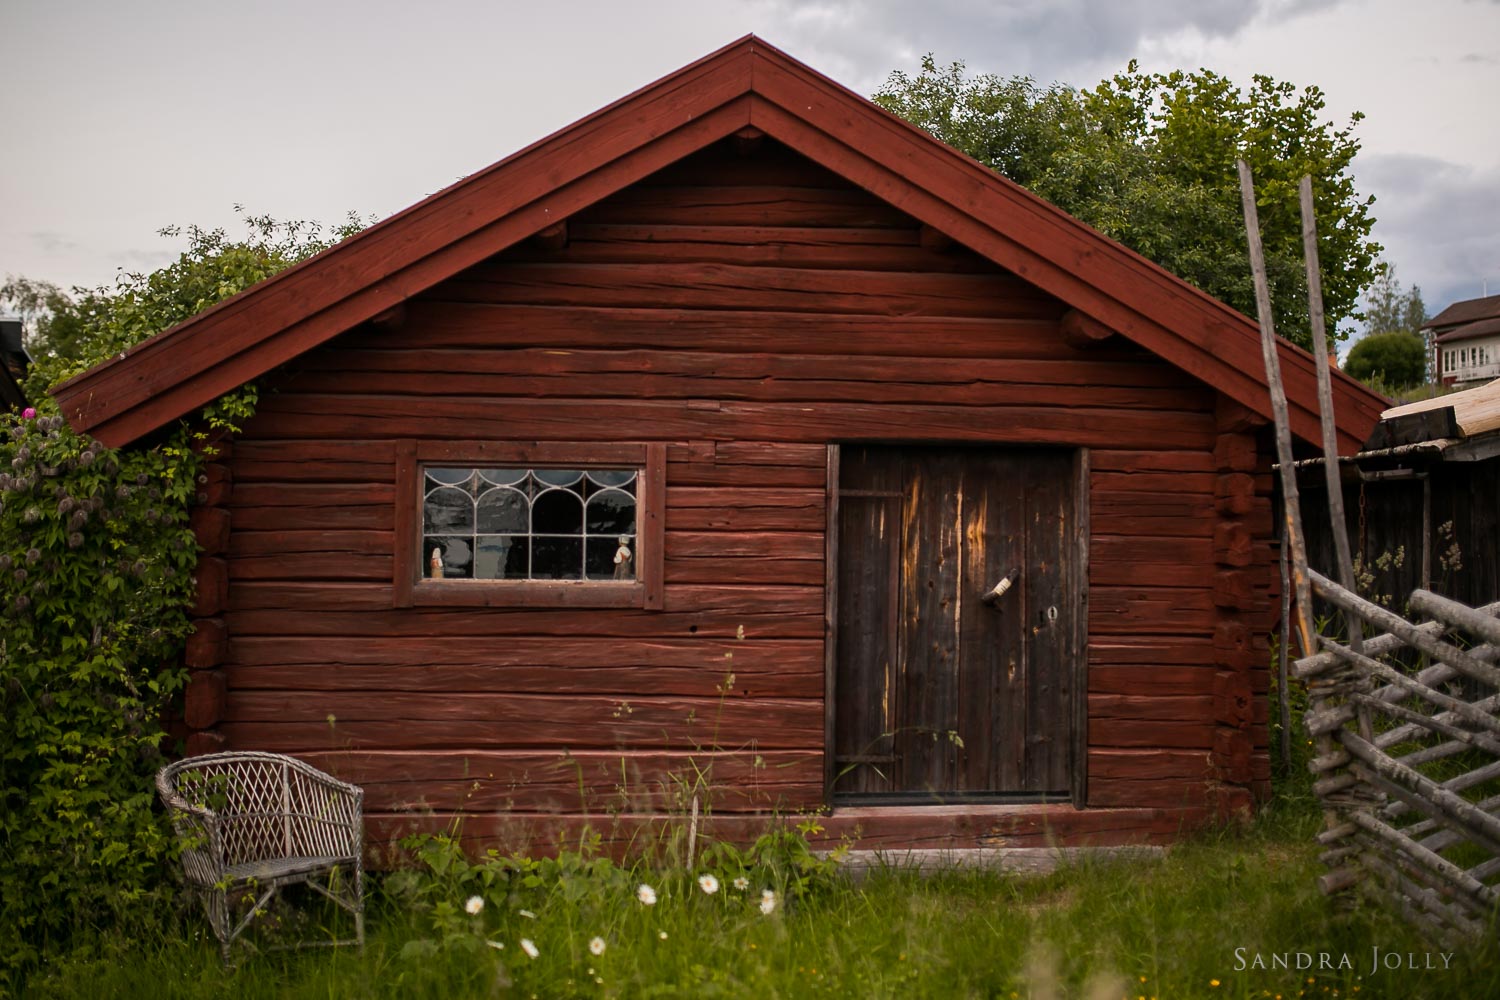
x=1408 y=759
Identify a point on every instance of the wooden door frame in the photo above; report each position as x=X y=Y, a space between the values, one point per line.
x=1079 y=637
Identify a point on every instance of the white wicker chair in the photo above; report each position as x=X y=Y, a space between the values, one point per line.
x=261 y=821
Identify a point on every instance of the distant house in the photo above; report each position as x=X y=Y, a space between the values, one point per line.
x=1466 y=341
x=739 y=438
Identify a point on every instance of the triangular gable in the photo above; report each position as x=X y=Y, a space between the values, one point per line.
x=747 y=85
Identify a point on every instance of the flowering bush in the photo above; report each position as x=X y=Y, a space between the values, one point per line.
x=96 y=575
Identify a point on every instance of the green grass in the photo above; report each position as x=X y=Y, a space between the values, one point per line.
x=1167 y=928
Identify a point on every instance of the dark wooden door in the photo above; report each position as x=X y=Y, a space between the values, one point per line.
x=939 y=694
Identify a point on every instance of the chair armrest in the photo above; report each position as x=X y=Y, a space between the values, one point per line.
x=338 y=827
x=200 y=833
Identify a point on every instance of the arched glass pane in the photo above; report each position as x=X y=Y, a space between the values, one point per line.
x=557 y=477
x=611 y=477
x=556 y=558
x=611 y=512
x=503 y=477
x=448 y=509
x=503 y=510
x=450 y=477
x=557 y=512
x=602 y=555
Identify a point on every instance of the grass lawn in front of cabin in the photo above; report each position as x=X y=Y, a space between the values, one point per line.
x=1234 y=913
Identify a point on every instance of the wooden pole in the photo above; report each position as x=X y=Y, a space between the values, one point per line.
x=1325 y=413
x=1283 y=653
x=1291 y=505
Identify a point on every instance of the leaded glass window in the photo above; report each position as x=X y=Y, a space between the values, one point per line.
x=529 y=524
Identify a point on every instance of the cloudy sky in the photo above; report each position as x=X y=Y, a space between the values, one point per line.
x=122 y=118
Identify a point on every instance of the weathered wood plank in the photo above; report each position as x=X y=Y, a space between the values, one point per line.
x=530 y=367
x=621 y=624
x=463 y=417
x=581 y=782
x=331 y=720
x=471 y=325
x=748 y=205
x=885 y=828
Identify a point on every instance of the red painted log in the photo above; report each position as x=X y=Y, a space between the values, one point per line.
x=205 y=698
x=210 y=587
x=207 y=645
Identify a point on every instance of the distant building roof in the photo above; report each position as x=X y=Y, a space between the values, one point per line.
x=13 y=362
x=1467 y=311
x=1469 y=331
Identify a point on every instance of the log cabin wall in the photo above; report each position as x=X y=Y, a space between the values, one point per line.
x=747 y=309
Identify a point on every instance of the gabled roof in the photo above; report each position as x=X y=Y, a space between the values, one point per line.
x=1468 y=331
x=1466 y=311
x=748 y=84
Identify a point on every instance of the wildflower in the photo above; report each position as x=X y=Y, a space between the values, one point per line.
x=528 y=947
x=662 y=935
x=742 y=883
x=29 y=413
x=474 y=905
x=767 y=901
x=596 y=946
x=527 y=914
x=497 y=945
x=645 y=894
x=1213 y=982
x=708 y=884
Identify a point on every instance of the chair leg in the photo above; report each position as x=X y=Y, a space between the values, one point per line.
x=359 y=904
x=216 y=907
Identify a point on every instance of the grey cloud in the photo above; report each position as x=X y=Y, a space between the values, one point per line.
x=860 y=41
x=1436 y=220
x=52 y=242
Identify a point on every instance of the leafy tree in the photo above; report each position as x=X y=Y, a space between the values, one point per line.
x=1395 y=360
x=1390 y=307
x=96 y=563
x=1149 y=160
x=50 y=317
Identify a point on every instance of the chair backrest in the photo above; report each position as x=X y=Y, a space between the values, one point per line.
x=249 y=806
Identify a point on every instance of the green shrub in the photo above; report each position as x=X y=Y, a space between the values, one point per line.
x=96 y=576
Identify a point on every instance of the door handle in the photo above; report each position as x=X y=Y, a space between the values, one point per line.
x=992 y=598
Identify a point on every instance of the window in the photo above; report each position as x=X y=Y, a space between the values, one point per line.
x=529 y=525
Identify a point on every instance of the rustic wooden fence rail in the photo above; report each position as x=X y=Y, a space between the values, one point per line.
x=1408 y=759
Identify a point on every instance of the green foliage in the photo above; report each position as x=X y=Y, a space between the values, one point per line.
x=1397 y=359
x=1390 y=307
x=96 y=564
x=1168 y=927
x=1149 y=160
x=50 y=317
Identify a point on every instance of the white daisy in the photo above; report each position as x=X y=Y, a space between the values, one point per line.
x=662 y=935
x=708 y=884
x=646 y=894
x=527 y=914
x=497 y=945
x=528 y=947
x=742 y=883
x=474 y=905
x=767 y=901
x=596 y=947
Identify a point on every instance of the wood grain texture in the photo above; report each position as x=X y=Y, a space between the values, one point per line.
x=575 y=782
x=731 y=325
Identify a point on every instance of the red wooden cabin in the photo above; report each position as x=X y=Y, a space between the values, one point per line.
x=689 y=442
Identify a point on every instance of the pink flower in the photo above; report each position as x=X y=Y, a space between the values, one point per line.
x=29 y=413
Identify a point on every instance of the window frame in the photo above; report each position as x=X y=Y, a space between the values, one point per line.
x=411 y=589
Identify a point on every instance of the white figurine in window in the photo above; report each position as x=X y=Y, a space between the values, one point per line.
x=623 y=560
x=435 y=564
